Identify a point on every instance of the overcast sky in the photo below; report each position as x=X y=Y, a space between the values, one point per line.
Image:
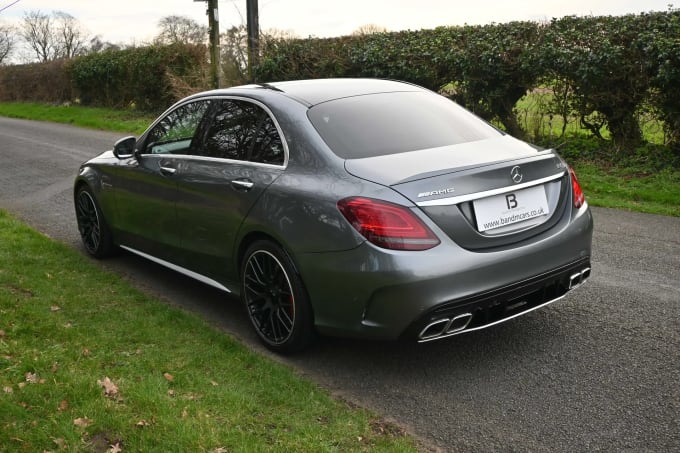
x=134 y=21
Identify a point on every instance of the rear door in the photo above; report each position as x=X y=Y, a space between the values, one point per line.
x=240 y=152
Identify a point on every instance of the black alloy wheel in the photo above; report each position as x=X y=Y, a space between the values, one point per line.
x=93 y=229
x=275 y=299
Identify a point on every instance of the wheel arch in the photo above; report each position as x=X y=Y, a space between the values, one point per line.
x=258 y=235
x=254 y=236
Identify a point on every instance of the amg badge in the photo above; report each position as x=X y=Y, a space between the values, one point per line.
x=435 y=192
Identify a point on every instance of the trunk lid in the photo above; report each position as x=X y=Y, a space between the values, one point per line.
x=483 y=194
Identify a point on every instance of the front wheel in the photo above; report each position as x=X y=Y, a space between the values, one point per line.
x=94 y=231
x=275 y=299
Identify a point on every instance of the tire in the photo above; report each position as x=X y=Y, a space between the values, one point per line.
x=94 y=231
x=275 y=298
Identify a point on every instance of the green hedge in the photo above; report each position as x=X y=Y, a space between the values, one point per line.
x=609 y=69
x=606 y=72
x=143 y=76
x=149 y=78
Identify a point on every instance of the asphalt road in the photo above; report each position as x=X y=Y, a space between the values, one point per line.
x=599 y=370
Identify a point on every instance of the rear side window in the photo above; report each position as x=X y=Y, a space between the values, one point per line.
x=391 y=123
x=241 y=130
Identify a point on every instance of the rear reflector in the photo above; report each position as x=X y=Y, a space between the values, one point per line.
x=579 y=197
x=387 y=225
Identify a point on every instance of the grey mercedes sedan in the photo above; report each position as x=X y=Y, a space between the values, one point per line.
x=352 y=207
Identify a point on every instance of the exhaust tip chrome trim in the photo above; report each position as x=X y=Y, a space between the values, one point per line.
x=579 y=278
x=444 y=327
x=431 y=331
x=458 y=323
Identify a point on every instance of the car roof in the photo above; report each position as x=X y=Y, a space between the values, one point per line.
x=316 y=91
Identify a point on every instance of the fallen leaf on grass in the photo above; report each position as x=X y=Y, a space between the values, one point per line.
x=143 y=423
x=2 y=333
x=55 y=308
x=7 y=389
x=59 y=442
x=55 y=367
x=82 y=422
x=63 y=406
x=32 y=378
x=171 y=393
x=110 y=389
x=115 y=448
x=168 y=377
x=86 y=352
x=214 y=384
x=220 y=450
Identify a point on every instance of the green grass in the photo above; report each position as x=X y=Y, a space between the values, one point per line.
x=130 y=121
x=632 y=189
x=66 y=325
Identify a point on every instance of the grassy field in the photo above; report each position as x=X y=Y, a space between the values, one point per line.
x=88 y=363
x=643 y=185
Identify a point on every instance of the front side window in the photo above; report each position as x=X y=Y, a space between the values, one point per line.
x=175 y=132
x=241 y=130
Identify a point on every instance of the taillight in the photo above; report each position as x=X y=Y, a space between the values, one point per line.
x=387 y=225
x=579 y=198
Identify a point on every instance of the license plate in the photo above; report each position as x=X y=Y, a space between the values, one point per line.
x=510 y=208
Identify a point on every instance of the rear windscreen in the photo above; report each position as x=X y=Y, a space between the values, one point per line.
x=391 y=123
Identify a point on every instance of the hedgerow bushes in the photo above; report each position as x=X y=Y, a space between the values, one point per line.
x=144 y=76
x=606 y=70
x=149 y=78
x=605 y=73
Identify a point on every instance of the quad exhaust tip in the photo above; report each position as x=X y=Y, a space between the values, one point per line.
x=579 y=278
x=445 y=327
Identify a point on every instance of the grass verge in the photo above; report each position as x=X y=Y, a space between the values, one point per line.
x=88 y=363
x=646 y=185
x=130 y=121
x=633 y=189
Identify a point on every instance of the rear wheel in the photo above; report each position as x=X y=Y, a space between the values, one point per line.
x=275 y=299
x=94 y=231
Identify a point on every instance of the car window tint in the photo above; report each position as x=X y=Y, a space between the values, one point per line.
x=241 y=130
x=174 y=133
x=391 y=123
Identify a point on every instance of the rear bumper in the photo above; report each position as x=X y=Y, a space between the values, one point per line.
x=374 y=293
x=502 y=304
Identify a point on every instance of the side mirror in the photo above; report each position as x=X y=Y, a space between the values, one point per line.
x=125 y=148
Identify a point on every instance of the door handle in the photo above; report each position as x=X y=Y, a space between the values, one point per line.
x=242 y=184
x=168 y=171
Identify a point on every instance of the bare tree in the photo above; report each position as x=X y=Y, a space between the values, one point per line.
x=181 y=29
x=37 y=29
x=6 y=42
x=97 y=45
x=234 y=48
x=234 y=55
x=369 y=29
x=70 y=37
x=51 y=36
